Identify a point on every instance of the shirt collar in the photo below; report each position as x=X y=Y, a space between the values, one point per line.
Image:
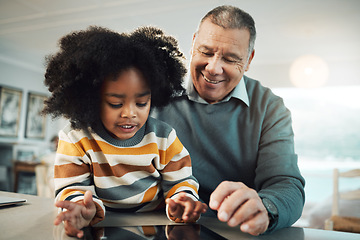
x=239 y=92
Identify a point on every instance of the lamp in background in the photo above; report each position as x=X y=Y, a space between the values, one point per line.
x=309 y=71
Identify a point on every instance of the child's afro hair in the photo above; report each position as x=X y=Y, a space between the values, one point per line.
x=75 y=74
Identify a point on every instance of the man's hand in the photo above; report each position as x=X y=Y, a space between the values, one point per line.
x=77 y=215
x=185 y=209
x=237 y=204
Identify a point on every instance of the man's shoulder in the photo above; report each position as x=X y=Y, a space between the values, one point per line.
x=257 y=91
x=178 y=104
x=160 y=128
x=253 y=85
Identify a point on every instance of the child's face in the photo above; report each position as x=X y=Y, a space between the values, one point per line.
x=125 y=103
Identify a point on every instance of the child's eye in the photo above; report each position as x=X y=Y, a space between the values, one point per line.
x=141 y=104
x=115 y=105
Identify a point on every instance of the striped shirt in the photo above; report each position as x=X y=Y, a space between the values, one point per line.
x=134 y=175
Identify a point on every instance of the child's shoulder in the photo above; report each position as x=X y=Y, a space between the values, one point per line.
x=74 y=134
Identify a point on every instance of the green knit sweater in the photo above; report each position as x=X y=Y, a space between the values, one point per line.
x=246 y=139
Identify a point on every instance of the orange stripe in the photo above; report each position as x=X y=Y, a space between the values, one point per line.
x=70 y=170
x=68 y=192
x=149 y=194
x=175 y=148
x=119 y=170
x=175 y=166
x=179 y=185
x=106 y=201
x=68 y=149
x=149 y=231
x=88 y=144
x=84 y=145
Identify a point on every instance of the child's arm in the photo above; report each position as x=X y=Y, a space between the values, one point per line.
x=73 y=178
x=73 y=171
x=184 y=209
x=77 y=215
x=179 y=185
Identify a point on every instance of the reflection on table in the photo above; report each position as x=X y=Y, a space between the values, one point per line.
x=34 y=220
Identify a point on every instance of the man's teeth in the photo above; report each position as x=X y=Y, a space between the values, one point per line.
x=210 y=81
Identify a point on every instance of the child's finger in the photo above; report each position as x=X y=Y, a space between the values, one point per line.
x=200 y=207
x=189 y=206
x=65 y=204
x=88 y=200
x=59 y=218
x=175 y=208
x=80 y=234
x=182 y=196
x=172 y=205
x=71 y=230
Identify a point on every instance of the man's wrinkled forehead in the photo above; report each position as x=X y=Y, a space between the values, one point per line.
x=209 y=31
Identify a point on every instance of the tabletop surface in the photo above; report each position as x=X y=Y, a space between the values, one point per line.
x=34 y=220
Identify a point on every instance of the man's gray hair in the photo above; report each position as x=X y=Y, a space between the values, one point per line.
x=230 y=17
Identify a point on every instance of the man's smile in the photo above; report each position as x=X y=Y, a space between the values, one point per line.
x=212 y=81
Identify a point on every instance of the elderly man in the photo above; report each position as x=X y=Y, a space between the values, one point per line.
x=238 y=132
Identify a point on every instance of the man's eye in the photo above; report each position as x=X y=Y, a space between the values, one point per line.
x=206 y=53
x=230 y=60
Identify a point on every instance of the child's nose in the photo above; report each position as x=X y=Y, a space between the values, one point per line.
x=128 y=111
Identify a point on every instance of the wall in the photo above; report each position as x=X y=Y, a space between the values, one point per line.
x=20 y=76
x=29 y=80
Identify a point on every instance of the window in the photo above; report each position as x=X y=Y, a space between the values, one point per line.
x=326 y=123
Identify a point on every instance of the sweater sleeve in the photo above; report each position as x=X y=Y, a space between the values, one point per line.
x=73 y=175
x=176 y=169
x=277 y=172
x=177 y=174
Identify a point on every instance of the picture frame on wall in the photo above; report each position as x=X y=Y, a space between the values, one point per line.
x=25 y=153
x=35 y=121
x=10 y=108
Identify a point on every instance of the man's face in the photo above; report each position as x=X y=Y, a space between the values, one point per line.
x=125 y=104
x=219 y=60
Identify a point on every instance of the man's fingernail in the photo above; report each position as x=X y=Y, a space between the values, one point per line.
x=244 y=227
x=232 y=222
x=223 y=216
x=214 y=204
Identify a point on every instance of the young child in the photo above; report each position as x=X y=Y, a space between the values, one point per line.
x=112 y=155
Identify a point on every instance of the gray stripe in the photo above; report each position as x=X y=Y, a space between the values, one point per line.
x=125 y=191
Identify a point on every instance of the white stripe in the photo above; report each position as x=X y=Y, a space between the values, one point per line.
x=127 y=179
x=176 y=175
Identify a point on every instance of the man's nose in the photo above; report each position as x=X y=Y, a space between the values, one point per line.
x=214 y=65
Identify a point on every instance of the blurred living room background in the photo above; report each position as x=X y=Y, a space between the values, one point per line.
x=306 y=51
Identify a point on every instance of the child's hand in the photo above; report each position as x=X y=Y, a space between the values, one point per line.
x=185 y=209
x=77 y=216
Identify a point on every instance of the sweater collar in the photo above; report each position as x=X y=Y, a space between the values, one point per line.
x=238 y=92
x=134 y=140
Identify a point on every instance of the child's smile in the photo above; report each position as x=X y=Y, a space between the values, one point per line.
x=125 y=103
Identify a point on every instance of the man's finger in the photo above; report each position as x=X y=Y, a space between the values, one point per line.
x=224 y=189
x=243 y=202
x=256 y=225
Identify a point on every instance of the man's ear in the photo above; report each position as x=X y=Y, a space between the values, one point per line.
x=192 y=44
x=250 y=59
